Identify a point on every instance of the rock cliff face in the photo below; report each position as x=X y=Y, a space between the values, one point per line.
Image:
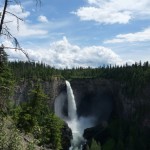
x=105 y=98
x=51 y=88
x=94 y=97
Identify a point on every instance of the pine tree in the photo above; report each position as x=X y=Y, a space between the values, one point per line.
x=95 y=145
x=6 y=81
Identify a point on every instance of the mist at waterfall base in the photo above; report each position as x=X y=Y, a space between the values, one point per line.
x=76 y=124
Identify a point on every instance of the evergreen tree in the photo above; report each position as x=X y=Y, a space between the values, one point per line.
x=6 y=81
x=33 y=111
x=95 y=145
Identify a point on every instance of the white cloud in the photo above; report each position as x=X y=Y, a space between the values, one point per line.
x=142 y=36
x=103 y=16
x=62 y=53
x=17 y=9
x=42 y=18
x=114 y=11
x=26 y=29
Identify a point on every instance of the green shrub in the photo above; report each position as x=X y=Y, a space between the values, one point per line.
x=15 y=140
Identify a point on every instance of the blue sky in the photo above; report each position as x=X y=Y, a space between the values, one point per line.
x=82 y=32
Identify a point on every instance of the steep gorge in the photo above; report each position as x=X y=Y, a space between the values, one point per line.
x=99 y=98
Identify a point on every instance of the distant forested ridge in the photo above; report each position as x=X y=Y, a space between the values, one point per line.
x=119 y=73
x=132 y=76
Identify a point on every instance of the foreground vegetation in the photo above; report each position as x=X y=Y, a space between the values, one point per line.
x=32 y=116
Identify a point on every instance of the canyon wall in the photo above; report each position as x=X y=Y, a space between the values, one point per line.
x=105 y=98
x=94 y=97
x=51 y=88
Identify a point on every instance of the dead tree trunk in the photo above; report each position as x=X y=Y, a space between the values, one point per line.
x=3 y=16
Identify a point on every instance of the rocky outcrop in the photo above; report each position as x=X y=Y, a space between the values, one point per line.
x=66 y=137
x=98 y=132
x=51 y=88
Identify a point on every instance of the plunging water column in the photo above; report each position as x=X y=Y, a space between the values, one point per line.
x=72 y=109
x=73 y=122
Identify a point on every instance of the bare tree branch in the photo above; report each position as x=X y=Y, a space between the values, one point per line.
x=26 y=54
x=14 y=15
x=38 y=2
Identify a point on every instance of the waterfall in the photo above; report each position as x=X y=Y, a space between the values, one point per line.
x=72 y=109
x=77 y=125
x=73 y=121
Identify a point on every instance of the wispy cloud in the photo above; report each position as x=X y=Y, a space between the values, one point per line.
x=114 y=11
x=141 y=36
